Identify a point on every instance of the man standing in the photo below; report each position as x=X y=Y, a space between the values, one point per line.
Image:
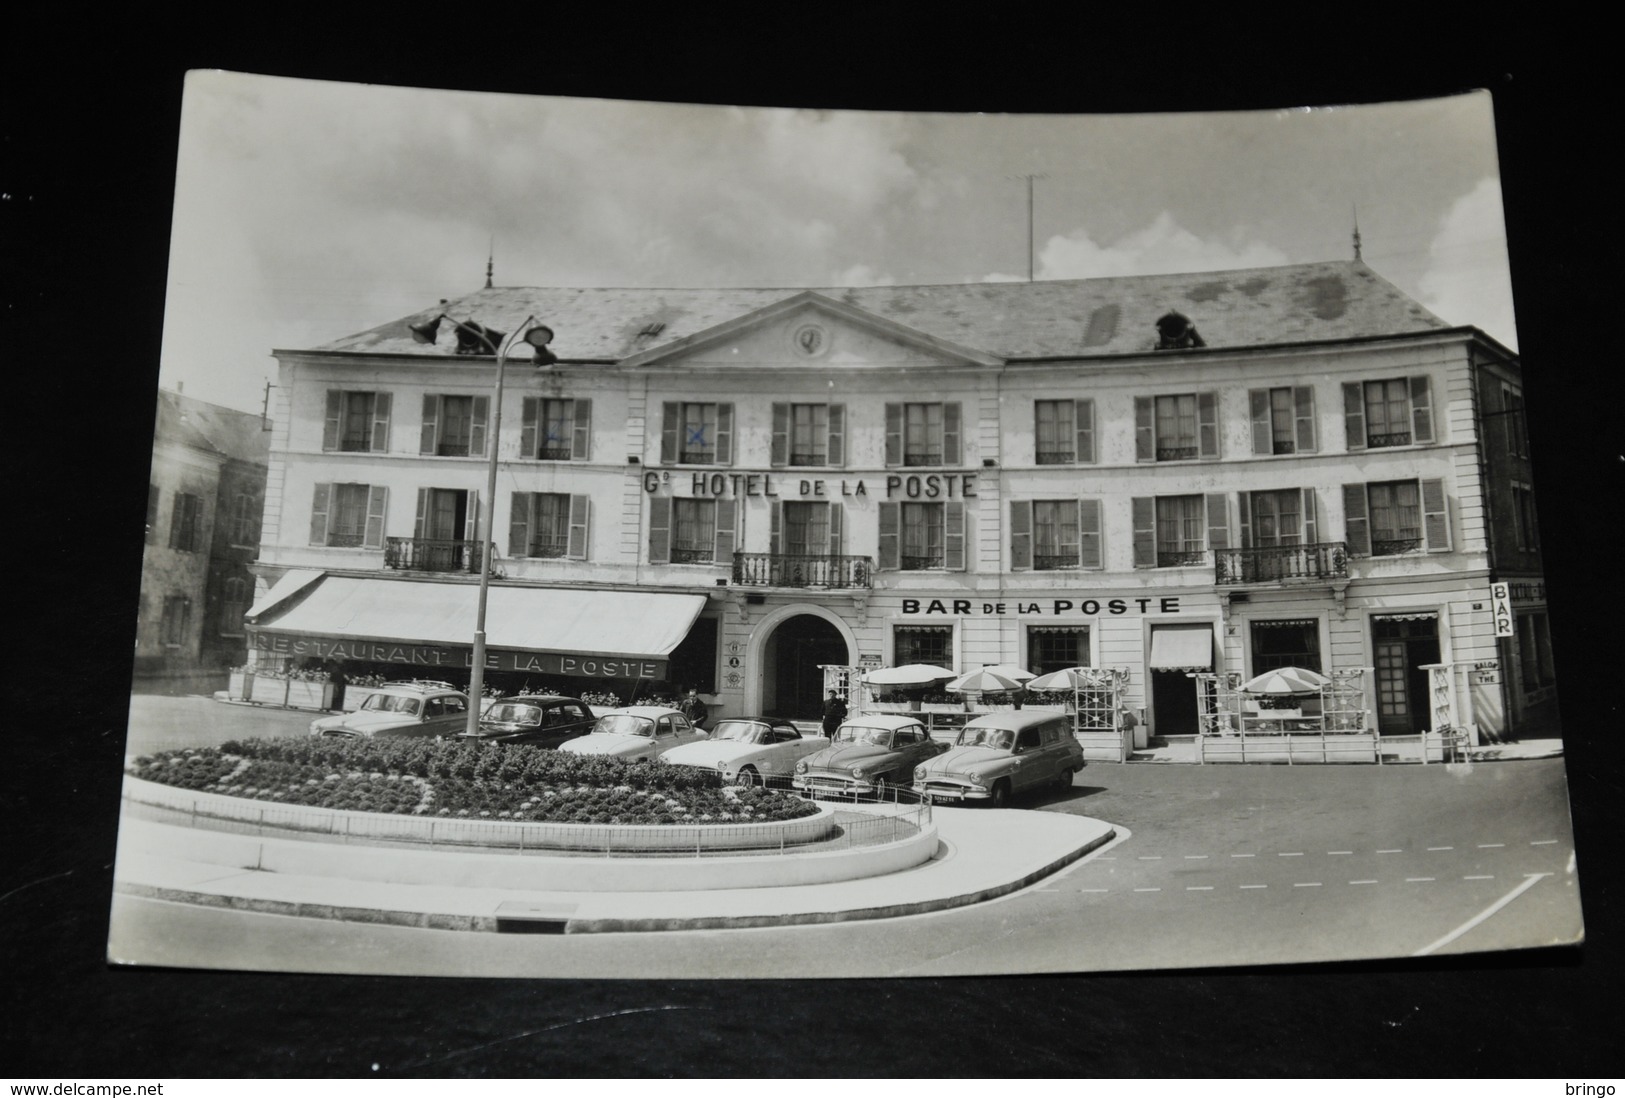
x=834 y=713
x=693 y=707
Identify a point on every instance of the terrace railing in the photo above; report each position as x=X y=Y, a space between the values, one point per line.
x=1324 y=560
x=787 y=570
x=432 y=555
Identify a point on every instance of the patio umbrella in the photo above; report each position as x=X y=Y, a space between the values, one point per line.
x=986 y=680
x=1286 y=680
x=910 y=674
x=1073 y=678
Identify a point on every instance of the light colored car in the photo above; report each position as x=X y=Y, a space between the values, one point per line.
x=999 y=755
x=750 y=750
x=413 y=709
x=635 y=732
x=869 y=754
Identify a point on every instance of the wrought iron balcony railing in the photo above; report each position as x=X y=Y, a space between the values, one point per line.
x=1393 y=438
x=1393 y=547
x=922 y=457
x=1181 y=558
x=1042 y=561
x=1175 y=453
x=1322 y=560
x=691 y=556
x=1057 y=457
x=432 y=555
x=785 y=570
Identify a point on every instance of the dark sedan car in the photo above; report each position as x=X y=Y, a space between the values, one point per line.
x=541 y=720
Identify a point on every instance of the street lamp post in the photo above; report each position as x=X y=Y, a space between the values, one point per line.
x=538 y=335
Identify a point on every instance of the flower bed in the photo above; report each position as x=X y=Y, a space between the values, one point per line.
x=467 y=781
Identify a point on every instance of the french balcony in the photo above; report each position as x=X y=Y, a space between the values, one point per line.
x=432 y=555
x=1322 y=561
x=785 y=570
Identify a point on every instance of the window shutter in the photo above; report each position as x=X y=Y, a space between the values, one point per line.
x=1303 y=413
x=894 y=436
x=1084 y=420
x=519 y=525
x=837 y=435
x=1091 y=543
x=660 y=528
x=1354 y=415
x=1258 y=405
x=1145 y=430
x=1244 y=510
x=528 y=416
x=1218 y=521
x=471 y=523
x=670 y=412
x=1311 y=525
x=1021 y=534
x=330 y=429
x=1145 y=531
x=1356 y=519
x=725 y=434
x=580 y=511
x=953 y=536
x=775 y=535
x=952 y=449
x=1207 y=424
x=380 y=422
x=476 y=429
x=891 y=519
x=377 y=503
x=1435 y=516
x=431 y=424
x=779 y=450
x=581 y=436
x=1421 y=410
x=318 y=514
x=727 y=531
x=837 y=520
x=420 y=527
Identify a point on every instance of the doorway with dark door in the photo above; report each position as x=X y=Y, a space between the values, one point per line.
x=1176 y=651
x=799 y=646
x=1402 y=645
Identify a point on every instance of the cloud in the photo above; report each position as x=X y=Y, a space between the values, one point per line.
x=1466 y=280
x=1162 y=247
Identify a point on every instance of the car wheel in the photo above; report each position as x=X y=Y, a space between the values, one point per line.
x=747 y=778
x=1063 y=780
x=1000 y=795
x=881 y=786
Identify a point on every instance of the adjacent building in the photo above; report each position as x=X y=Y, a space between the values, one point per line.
x=728 y=488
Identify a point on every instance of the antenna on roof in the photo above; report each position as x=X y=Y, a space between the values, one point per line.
x=1029 y=178
x=490 y=261
x=1357 y=233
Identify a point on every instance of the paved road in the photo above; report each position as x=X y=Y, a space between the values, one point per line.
x=1221 y=865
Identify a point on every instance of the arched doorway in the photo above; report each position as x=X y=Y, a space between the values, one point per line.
x=792 y=684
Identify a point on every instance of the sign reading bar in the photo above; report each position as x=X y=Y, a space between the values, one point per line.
x=1501 y=608
x=277 y=645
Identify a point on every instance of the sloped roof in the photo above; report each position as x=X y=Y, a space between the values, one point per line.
x=212 y=428
x=1096 y=316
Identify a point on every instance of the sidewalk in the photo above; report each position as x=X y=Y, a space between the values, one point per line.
x=1184 y=751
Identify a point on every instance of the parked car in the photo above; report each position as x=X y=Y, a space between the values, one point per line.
x=1001 y=754
x=868 y=754
x=543 y=720
x=749 y=750
x=635 y=732
x=410 y=709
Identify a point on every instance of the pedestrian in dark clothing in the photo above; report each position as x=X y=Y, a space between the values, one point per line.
x=693 y=708
x=834 y=713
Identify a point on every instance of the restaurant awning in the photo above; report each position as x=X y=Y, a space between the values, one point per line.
x=1181 y=648
x=565 y=631
x=291 y=583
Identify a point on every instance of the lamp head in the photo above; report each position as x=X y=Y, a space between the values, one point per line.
x=426 y=331
x=539 y=337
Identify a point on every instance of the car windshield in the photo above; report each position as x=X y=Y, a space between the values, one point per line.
x=741 y=732
x=858 y=733
x=391 y=703
x=624 y=724
x=999 y=739
x=511 y=713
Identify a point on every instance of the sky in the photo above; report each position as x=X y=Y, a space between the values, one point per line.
x=309 y=210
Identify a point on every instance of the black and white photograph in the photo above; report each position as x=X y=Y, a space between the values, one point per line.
x=610 y=539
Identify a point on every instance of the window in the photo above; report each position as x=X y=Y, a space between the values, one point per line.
x=152 y=512
x=1535 y=652
x=809 y=434
x=1392 y=412
x=1277 y=517
x=692 y=531
x=176 y=620
x=1178 y=427
x=1056 y=648
x=1285 y=642
x=454 y=426
x=1050 y=534
x=923 y=434
x=1517 y=428
x=922 y=535
x=1173 y=531
x=1523 y=517
x=696 y=434
x=246 y=508
x=806 y=529
x=1393 y=517
x=235 y=595
x=548 y=525
x=184 y=520
x=1064 y=431
x=1283 y=420
x=923 y=644
x=348 y=515
x=556 y=429
x=356 y=421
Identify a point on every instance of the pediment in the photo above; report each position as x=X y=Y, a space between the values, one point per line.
x=809 y=330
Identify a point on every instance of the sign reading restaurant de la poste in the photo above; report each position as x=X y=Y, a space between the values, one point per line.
x=427 y=655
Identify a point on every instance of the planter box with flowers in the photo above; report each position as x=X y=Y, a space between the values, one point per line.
x=302 y=692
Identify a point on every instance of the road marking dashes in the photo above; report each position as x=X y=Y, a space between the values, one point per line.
x=1252 y=886
x=1480 y=877
x=1441 y=848
x=1490 y=846
x=1150 y=857
x=1094 y=890
x=1390 y=852
x=1198 y=888
x=1148 y=890
x=1307 y=884
x=1194 y=857
x=1366 y=882
x=1244 y=855
x=1415 y=880
x=1340 y=852
x=1542 y=842
x=1290 y=854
